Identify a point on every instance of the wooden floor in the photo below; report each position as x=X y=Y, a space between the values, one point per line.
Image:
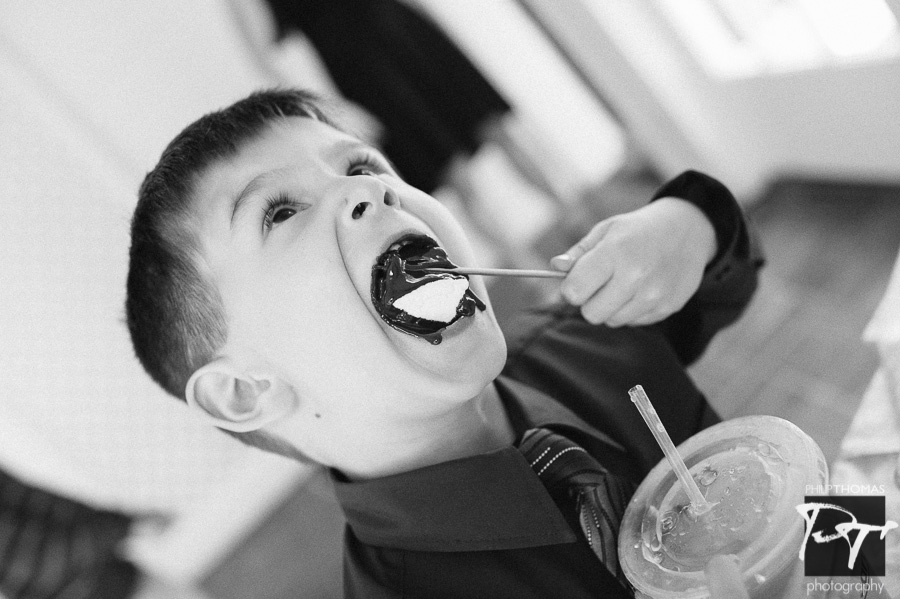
x=796 y=353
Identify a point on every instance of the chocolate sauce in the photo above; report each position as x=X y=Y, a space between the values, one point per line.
x=399 y=271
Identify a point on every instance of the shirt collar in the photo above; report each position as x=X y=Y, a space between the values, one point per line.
x=485 y=502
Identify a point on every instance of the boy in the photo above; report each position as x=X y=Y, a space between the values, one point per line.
x=269 y=253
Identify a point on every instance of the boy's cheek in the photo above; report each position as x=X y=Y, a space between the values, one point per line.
x=286 y=315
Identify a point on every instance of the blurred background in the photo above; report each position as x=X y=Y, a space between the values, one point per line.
x=531 y=119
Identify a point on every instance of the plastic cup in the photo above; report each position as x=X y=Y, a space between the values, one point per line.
x=754 y=471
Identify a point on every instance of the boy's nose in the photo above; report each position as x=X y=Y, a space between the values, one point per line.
x=358 y=209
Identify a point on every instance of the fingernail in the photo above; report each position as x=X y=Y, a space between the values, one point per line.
x=562 y=262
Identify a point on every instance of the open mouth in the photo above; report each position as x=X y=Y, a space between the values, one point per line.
x=414 y=300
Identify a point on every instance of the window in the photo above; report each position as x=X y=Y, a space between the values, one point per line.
x=739 y=38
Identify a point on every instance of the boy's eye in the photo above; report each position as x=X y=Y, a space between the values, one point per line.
x=367 y=162
x=280 y=209
x=282 y=215
x=363 y=169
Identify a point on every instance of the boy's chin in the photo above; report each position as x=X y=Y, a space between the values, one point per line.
x=470 y=347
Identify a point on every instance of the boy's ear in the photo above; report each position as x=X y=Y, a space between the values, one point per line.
x=236 y=401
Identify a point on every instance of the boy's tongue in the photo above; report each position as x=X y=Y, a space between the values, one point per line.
x=415 y=301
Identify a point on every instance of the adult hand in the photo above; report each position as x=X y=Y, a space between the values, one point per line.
x=723 y=577
x=638 y=268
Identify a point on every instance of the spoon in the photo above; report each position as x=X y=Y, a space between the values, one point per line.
x=503 y=272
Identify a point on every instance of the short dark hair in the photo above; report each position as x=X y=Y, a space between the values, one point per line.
x=174 y=313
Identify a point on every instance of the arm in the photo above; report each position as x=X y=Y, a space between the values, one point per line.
x=591 y=367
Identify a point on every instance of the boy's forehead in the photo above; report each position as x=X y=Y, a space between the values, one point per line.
x=287 y=144
x=302 y=137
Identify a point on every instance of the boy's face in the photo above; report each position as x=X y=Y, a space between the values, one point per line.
x=290 y=228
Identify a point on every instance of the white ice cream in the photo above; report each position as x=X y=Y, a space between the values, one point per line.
x=436 y=301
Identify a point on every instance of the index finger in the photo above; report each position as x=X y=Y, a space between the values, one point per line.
x=566 y=260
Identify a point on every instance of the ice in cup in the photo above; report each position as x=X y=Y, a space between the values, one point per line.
x=753 y=472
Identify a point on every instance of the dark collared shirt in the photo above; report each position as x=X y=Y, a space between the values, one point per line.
x=485 y=526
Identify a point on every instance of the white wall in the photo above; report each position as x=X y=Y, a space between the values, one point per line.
x=835 y=122
x=831 y=122
x=576 y=132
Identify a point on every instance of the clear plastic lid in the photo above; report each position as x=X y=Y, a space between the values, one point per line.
x=755 y=471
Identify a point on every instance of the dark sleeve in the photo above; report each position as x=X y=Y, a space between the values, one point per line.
x=730 y=278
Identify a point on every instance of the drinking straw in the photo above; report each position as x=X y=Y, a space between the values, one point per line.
x=640 y=399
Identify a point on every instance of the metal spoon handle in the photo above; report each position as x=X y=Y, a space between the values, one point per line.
x=503 y=272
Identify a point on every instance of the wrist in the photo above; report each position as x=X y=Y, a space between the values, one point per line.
x=694 y=220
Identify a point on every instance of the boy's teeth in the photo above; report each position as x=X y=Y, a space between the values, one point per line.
x=436 y=301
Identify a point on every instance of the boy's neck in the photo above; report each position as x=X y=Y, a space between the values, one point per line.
x=476 y=427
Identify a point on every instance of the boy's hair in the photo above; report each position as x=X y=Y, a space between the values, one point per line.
x=174 y=312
